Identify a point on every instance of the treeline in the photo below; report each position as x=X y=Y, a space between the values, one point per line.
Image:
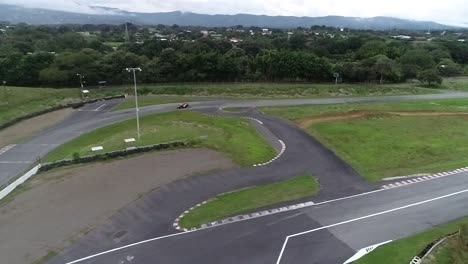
x=51 y=56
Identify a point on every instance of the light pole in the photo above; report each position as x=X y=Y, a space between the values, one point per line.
x=136 y=98
x=337 y=76
x=5 y=92
x=81 y=84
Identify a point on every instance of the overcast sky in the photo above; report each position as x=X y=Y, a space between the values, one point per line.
x=447 y=11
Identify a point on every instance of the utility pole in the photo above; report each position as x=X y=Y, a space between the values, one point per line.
x=81 y=85
x=137 y=110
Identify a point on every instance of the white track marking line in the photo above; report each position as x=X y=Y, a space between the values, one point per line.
x=366 y=217
x=99 y=108
x=127 y=246
x=364 y=251
x=6 y=148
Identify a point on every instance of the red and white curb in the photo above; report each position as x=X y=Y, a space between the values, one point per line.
x=424 y=178
x=238 y=218
x=7 y=148
x=283 y=149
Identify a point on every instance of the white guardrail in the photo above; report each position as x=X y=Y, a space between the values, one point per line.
x=7 y=190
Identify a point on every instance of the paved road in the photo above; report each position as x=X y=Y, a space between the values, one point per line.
x=359 y=222
x=21 y=157
x=152 y=216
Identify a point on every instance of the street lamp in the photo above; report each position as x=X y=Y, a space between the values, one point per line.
x=337 y=76
x=136 y=98
x=81 y=83
x=5 y=93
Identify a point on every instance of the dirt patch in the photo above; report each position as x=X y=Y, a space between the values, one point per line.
x=308 y=121
x=58 y=206
x=29 y=127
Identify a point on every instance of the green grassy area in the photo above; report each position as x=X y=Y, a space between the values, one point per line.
x=16 y=102
x=233 y=136
x=456 y=83
x=301 y=111
x=272 y=90
x=236 y=202
x=161 y=99
x=382 y=145
x=442 y=254
x=403 y=250
x=385 y=146
x=20 y=101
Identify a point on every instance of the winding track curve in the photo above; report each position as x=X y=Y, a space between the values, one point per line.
x=153 y=215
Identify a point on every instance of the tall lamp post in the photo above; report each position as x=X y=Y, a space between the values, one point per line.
x=5 y=92
x=136 y=98
x=81 y=84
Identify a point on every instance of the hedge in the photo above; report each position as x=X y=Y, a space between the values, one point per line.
x=116 y=154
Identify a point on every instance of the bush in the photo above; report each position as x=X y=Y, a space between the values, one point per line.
x=76 y=156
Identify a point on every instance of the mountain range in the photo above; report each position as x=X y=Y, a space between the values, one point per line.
x=105 y=15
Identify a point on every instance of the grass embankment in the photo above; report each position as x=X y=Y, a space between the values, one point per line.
x=456 y=83
x=236 y=202
x=380 y=144
x=17 y=102
x=403 y=250
x=230 y=135
x=150 y=94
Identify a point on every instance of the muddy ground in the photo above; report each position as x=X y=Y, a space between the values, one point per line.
x=55 y=207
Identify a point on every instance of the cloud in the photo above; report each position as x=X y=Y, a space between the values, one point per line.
x=448 y=11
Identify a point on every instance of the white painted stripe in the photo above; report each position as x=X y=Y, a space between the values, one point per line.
x=6 y=148
x=366 y=217
x=362 y=252
x=99 y=108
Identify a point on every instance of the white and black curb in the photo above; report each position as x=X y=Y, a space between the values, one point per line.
x=283 y=149
x=424 y=178
x=7 y=190
x=176 y=222
x=239 y=218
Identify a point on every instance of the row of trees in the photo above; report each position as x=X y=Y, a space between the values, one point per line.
x=357 y=58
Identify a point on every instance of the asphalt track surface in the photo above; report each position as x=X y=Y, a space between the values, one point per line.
x=259 y=240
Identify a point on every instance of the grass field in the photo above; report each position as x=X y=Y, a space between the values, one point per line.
x=402 y=251
x=233 y=136
x=380 y=144
x=276 y=90
x=456 y=83
x=20 y=101
x=236 y=202
x=302 y=111
x=385 y=146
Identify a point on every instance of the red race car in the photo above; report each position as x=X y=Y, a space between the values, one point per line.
x=183 y=106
